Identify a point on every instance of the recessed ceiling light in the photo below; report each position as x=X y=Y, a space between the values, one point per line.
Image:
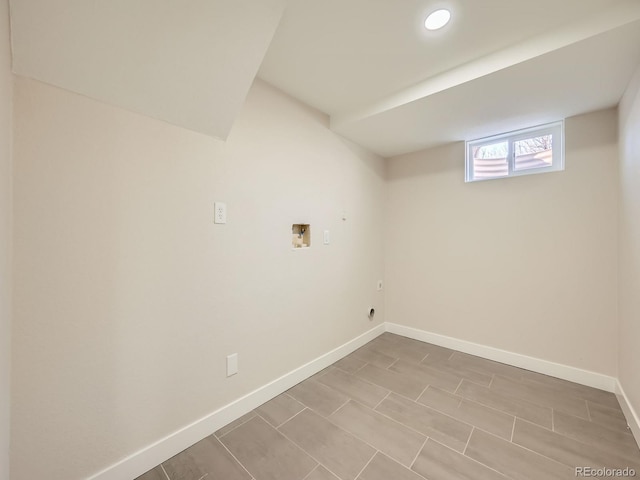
x=437 y=19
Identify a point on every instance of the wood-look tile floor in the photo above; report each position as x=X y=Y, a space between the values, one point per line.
x=399 y=409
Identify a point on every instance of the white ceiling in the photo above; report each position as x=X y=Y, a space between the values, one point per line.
x=393 y=87
x=187 y=62
x=386 y=82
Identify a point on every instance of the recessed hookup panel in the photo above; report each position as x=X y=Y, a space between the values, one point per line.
x=301 y=235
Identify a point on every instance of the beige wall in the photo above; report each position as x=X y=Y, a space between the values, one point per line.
x=5 y=234
x=524 y=264
x=128 y=298
x=629 y=243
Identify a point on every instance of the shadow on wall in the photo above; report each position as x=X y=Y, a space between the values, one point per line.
x=417 y=165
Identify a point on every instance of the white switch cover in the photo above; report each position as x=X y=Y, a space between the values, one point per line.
x=326 y=237
x=232 y=364
x=220 y=215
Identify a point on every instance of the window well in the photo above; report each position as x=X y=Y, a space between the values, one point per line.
x=522 y=152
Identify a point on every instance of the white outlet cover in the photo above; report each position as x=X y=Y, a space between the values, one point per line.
x=232 y=364
x=220 y=213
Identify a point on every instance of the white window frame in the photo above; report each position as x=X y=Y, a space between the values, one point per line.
x=556 y=129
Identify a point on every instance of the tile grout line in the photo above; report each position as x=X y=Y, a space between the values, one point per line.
x=493 y=392
x=515 y=444
x=455 y=392
x=409 y=426
x=406 y=377
x=203 y=476
x=347 y=401
x=419 y=452
x=378 y=404
x=475 y=382
x=461 y=400
x=332 y=365
x=493 y=375
x=320 y=374
x=357 y=437
x=597 y=426
x=314 y=458
x=541 y=402
x=563 y=436
x=356 y=371
x=511 y=398
x=513 y=429
x=165 y=472
x=367 y=464
x=464 y=373
x=538 y=453
x=269 y=423
x=437 y=410
x=445 y=414
x=282 y=424
x=555 y=391
x=237 y=426
x=472 y=459
x=395 y=360
x=286 y=392
x=422 y=393
x=236 y=458
x=313 y=470
x=588 y=411
x=370 y=382
x=473 y=429
x=377 y=450
x=402 y=465
x=346 y=394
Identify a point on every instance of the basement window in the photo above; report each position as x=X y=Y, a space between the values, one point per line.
x=522 y=152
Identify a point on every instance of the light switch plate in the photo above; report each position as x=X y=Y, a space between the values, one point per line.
x=232 y=364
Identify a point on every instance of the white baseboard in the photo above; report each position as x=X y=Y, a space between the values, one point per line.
x=151 y=456
x=633 y=420
x=573 y=374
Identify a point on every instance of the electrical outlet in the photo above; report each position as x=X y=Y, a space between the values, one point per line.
x=232 y=364
x=379 y=285
x=220 y=215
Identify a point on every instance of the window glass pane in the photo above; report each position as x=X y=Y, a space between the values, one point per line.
x=535 y=152
x=520 y=152
x=490 y=161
